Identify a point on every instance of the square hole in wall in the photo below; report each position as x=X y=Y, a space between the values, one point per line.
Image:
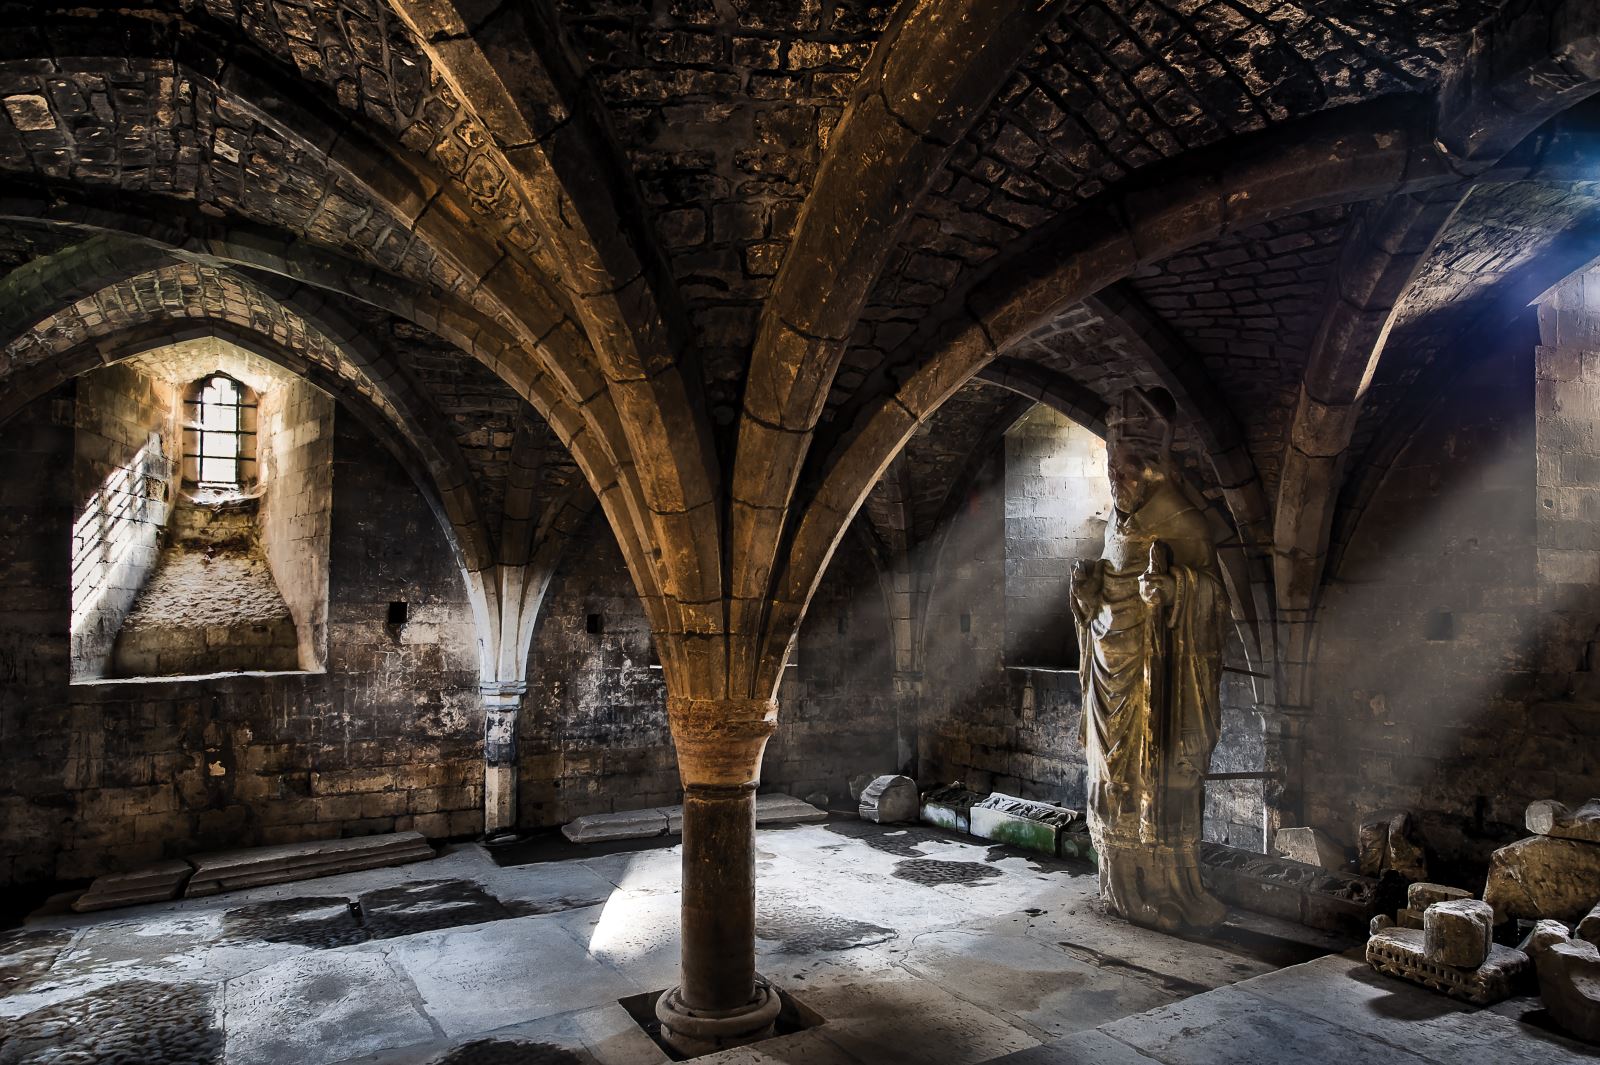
x=1439 y=627
x=794 y=1016
x=594 y=625
x=399 y=612
x=966 y=621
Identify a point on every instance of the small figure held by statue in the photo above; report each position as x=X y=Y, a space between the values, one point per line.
x=1151 y=616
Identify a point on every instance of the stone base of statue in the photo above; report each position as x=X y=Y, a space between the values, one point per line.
x=1157 y=885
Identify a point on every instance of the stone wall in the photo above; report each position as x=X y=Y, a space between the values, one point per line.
x=124 y=472
x=1057 y=501
x=295 y=457
x=113 y=774
x=594 y=736
x=1430 y=633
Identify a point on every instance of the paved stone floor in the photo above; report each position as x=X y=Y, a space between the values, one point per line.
x=914 y=945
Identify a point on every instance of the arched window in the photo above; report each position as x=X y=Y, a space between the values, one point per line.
x=220 y=438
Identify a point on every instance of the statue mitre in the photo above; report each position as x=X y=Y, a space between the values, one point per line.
x=1143 y=418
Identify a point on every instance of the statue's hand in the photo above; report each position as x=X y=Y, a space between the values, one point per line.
x=1157 y=589
x=1087 y=582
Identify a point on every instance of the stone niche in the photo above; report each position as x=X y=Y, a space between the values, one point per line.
x=203 y=480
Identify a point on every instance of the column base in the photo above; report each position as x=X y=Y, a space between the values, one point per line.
x=694 y=1032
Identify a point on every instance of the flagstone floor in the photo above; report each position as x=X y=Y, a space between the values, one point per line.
x=912 y=944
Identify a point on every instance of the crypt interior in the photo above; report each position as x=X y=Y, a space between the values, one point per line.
x=603 y=532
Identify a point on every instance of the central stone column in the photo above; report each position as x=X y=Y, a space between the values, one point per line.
x=720 y=1001
x=502 y=701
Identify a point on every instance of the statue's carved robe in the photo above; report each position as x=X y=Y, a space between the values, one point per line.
x=1145 y=789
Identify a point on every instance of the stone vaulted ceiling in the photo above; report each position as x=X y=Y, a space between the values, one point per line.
x=716 y=261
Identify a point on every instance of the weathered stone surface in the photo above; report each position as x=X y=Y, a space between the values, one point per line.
x=1024 y=823
x=776 y=808
x=889 y=800
x=1547 y=817
x=1408 y=917
x=1400 y=952
x=624 y=824
x=256 y=866
x=950 y=807
x=1541 y=935
x=773 y=808
x=1386 y=843
x=1569 y=980
x=1421 y=895
x=1543 y=876
x=1291 y=890
x=1589 y=927
x=153 y=883
x=1457 y=932
x=1310 y=846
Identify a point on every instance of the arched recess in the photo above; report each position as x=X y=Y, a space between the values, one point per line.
x=430 y=229
x=305 y=273
x=504 y=576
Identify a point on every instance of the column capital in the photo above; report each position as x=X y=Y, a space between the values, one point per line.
x=504 y=695
x=720 y=741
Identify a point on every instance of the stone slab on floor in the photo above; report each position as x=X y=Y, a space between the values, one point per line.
x=153 y=883
x=771 y=809
x=1293 y=891
x=231 y=870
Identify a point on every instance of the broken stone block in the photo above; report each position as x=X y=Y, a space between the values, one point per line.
x=153 y=883
x=1550 y=818
x=889 y=800
x=1386 y=842
x=1543 y=876
x=1589 y=928
x=258 y=866
x=1408 y=918
x=1311 y=846
x=1400 y=952
x=1076 y=842
x=1034 y=826
x=624 y=824
x=1569 y=980
x=1458 y=932
x=1421 y=895
x=1542 y=935
x=1294 y=891
x=858 y=784
x=1379 y=923
x=950 y=807
x=772 y=808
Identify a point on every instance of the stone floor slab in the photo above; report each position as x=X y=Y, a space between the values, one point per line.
x=322 y=1007
x=488 y=976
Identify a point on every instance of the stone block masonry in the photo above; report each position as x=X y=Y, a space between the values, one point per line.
x=125 y=474
x=111 y=776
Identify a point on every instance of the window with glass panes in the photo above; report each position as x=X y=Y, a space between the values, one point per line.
x=220 y=431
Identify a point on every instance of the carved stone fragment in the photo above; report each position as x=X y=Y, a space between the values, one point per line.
x=1386 y=842
x=1547 y=817
x=1458 y=932
x=889 y=800
x=1421 y=895
x=1543 y=876
x=1036 y=826
x=1400 y=952
x=950 y=807
x=1589 y=927
x=1311 y=846
x=1569 y=979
